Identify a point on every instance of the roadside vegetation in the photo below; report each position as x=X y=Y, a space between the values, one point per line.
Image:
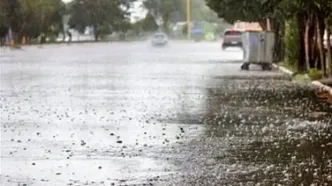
x=28 y=19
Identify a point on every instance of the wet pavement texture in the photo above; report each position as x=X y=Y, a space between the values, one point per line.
x=131 y=114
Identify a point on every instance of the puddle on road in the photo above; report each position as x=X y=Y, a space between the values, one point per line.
x=82 y=171
x=85 y=146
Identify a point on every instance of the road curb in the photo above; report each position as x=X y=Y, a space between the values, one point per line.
x=288 y=72
x=283 y=69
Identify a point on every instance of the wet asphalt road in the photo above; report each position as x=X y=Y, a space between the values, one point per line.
x=131 y=114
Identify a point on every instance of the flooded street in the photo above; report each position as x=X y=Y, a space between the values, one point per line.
x=130 y=114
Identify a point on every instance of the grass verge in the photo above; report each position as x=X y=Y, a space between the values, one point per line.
x=303 y=78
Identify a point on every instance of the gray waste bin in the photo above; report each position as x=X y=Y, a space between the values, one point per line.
x=257 y=49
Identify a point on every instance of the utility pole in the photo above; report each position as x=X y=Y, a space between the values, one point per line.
x=188 y=2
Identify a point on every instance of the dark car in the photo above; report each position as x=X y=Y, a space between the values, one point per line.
x=232 y=38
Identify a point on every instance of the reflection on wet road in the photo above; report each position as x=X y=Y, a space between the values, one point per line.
x=130 y=114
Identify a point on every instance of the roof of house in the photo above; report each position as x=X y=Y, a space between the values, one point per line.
x=247 y=26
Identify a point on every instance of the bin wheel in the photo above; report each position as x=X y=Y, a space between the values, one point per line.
x=267 y=67
x=245 y=66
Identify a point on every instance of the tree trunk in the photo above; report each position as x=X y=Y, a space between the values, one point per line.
x=301 y=53
x=277 y=49
x=63 y=35
x=96 y=34
x=307 y=41
x=320 y=29
x=281 y=42
x=312 y=43
x=269 y=24
x=329 y=53
x=263 y=24
x=165 y=23
x=278 y=45
x=315 y=63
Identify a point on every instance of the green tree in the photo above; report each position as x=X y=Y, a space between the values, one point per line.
x=37 y=16
x=3 y=20
x=201 y=12
x=312 y=20
x=149 y=23
x=163 y=11
x=104 y=16
x=3 y=12
x=172 y=11
x=13 y=16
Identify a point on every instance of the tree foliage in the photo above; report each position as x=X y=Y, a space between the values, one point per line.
x=148 y=24
x=3 y=19
x=201 y=12
x=104 y=16
x=171 y=11
x=31 y=17
x=3 y=12
x=40 y=16
x=163 y=11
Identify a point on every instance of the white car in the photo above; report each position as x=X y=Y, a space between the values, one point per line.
x=159 y=39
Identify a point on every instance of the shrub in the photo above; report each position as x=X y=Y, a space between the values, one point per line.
x=315 y=74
